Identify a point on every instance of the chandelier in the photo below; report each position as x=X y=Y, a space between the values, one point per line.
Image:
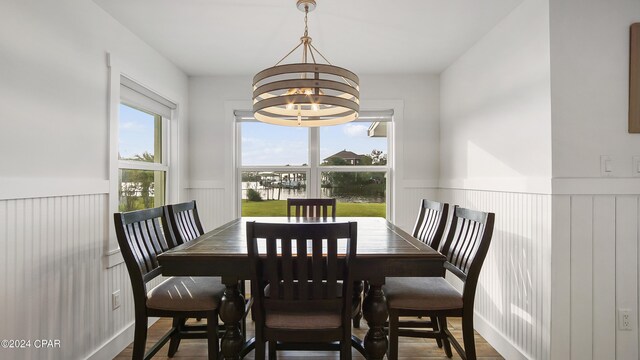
x=306 y=93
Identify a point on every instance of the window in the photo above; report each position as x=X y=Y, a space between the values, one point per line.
x=265 y=144
x=142 y=147
x=348 y=162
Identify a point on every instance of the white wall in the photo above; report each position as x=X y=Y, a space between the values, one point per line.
x=595 y=219
x=495 y=112
x=54 y=172
x=54 y=82
x=210 y=138
x=590 y=78
x=496 y=156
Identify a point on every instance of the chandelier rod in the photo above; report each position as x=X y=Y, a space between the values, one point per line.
x=312 y=56
x=329 y=62
x=290 y=52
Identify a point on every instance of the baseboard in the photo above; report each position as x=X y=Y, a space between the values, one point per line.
x=114 y=346
x=497 y=340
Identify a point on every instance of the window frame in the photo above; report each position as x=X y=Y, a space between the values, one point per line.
x=314 y=170
x=162 y=166
x=117 y=71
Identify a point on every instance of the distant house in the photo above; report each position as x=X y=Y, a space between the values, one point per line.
x=349 y=156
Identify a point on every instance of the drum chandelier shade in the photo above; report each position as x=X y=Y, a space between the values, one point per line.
x=306 y=93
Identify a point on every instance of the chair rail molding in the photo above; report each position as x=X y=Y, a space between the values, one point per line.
x=38 y=187
x=596 y=186
x=541 y=185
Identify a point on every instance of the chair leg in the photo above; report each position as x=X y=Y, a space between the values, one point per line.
x=442 y=324
x=259 y=353
x=272 y=350
x=468 y=338
x=178 y=325
x=356 y=305
x=392 y=351
x=212 y=335
x=140 y=337
x=434 y=323
x=260 y=344
x=345 y=349
x=356 y=320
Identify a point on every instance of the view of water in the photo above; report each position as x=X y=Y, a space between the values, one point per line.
x=277 y=193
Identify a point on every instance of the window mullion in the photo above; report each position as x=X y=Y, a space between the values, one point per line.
x=313 y=190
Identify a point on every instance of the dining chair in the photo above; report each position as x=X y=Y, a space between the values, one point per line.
x=311 y=208
x=141 y=240
x=184 y=225
x=320 y=208
x=304 y=305
x=429 y=228
x=184 y=221
x=465 y=249
x=430 y=223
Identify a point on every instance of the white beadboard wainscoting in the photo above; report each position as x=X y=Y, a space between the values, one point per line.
x=595 y=273
x=513 y=296
x=55 y=284
x=211 y=206
x=408 y=201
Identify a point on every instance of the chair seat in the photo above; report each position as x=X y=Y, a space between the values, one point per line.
x=296 y=320
x=431 y=293
x=184 y=293
x=310 y=320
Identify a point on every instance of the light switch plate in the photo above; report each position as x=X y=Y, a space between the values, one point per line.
x=635 y=166
x=115 y=299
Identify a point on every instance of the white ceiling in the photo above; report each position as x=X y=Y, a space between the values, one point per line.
x=215 y=37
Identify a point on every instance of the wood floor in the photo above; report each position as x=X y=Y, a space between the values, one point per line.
x=410 y=348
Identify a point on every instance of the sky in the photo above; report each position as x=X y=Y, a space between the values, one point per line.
x=262 y=144
x=135 y=132
x=265 y=144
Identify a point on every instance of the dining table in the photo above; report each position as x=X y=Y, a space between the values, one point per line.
x=383 y=250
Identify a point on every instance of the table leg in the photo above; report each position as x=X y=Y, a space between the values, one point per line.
x=231 y=312
x=376 y=313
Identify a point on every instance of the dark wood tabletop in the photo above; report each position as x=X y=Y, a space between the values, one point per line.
x=384 y=250
x=223 y=251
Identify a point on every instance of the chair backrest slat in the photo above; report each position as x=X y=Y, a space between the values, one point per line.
x=332 y=268
x=431 y=221
x=312 y=208
x=287 y=269
x=272 y=266
x=317 y=268
x=184 y=222
x=303 y=270
x=154 y=228
x=467 y=244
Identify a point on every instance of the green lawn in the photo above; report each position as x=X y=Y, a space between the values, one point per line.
x=279 y=208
